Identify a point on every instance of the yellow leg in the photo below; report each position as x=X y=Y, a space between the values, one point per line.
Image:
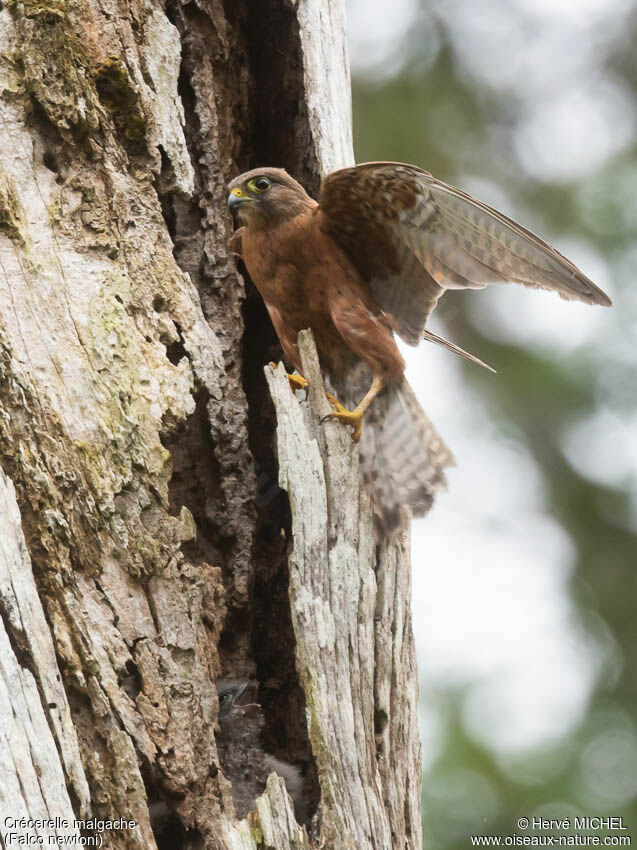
x=355 y=417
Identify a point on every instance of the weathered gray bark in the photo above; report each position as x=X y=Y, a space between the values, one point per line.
x=350 y=609
x=144 y=546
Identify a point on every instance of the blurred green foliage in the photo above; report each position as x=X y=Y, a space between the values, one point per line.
x=434 y=113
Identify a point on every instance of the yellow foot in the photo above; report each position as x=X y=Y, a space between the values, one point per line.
x=347 y=417
x=297 y=382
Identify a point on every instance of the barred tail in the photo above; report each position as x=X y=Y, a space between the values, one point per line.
x=402 y=457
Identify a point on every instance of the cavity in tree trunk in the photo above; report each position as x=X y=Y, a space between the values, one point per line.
x=146 y=547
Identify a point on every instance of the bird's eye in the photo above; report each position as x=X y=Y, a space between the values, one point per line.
x=223 y=698
x=262 y=184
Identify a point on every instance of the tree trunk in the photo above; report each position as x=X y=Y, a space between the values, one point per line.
x=145 y=546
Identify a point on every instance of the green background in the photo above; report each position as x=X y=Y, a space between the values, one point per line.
x=532 y=108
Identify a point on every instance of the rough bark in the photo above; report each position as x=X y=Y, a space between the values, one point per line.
x=145 y=547
x=350 y=609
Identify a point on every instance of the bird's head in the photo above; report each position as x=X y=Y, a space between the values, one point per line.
x=237 y=696
x=267 y=196
x=240 y=715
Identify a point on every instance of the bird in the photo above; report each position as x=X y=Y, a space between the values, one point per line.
x=368 y=262
x=243 y=760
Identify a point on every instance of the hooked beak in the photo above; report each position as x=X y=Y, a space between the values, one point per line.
x=246 y=699
x=247 y=694
x=235 y=199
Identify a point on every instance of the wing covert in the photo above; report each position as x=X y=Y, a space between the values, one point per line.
x=411 y=237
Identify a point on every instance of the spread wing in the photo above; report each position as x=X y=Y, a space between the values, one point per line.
x=411 y=237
